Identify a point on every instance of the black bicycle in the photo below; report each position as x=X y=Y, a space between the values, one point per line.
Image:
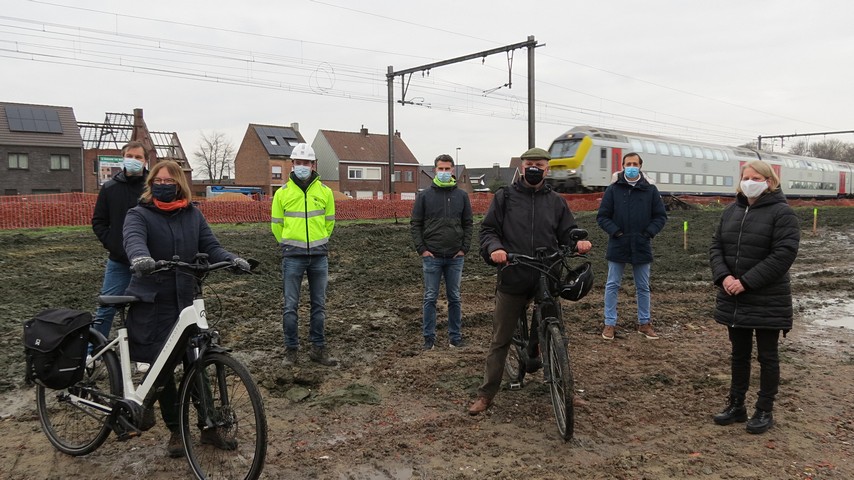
x=557 y=280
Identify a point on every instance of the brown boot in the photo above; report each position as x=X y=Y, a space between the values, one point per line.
x=175 y=447
x=480 y=405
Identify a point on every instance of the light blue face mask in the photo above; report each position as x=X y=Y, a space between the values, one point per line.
x=132 y=165
x=444 y=177
x=632 y=172
x=302 y=172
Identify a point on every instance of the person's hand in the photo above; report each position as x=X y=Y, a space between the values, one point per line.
x=583 y=246
x=498 y=256
x=142 y=266
x=732 y=285
x=427 y=253
x=460 y=254
x=242 y=264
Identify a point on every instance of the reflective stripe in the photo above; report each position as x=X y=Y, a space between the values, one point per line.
x=330 y=218
x=277 y=220
x=309 y=214
x=297 y=243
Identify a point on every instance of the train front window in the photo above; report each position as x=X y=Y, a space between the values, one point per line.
x=564 y=148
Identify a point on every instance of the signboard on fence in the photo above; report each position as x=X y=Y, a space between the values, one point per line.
x=107 y=167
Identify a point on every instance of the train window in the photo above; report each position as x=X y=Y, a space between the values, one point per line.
x=719 y=156
x=698 y=152
x=674 y=149
x=688 y=179
x=651 y=176
x=727 y=181
x=698 y=179
x=686 y=151
x=710 y=179
x=564 y=148
x=719 y=180
x=664 y=177
x=648 y=146
x=677 y=178
x=707 y=152
x=726 y=157
x=603 y=159
x=662 y=148
x=636 y=145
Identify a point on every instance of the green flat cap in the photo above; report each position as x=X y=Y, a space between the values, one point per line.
x=536 y=154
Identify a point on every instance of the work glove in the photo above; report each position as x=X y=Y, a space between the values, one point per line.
x=142 y=266
x=242 y=264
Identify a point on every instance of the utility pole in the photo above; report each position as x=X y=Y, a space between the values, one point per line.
x=530 y=44
x=759 y=139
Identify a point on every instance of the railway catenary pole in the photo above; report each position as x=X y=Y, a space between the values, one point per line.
x=759 y=139
x=530 y=44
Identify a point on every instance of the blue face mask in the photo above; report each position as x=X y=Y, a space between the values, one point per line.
x=132 y=165
x=632 y=172
x=302 y=172
x=444 y=177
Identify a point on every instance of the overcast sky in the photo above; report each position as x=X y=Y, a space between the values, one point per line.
x=724 y=71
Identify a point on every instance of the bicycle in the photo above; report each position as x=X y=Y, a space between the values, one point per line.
x=217 y=393
x=547 y=327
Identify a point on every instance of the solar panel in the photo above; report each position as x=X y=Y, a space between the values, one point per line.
x=33 y=119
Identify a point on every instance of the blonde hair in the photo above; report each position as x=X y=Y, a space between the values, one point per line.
x=176 y=173
x=763 y=169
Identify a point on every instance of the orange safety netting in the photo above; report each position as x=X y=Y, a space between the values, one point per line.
x=51 y=210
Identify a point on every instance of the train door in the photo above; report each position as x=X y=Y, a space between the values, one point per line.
x=842 y=185
x=616 y=159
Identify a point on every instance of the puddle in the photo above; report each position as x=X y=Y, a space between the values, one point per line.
x=827 y=311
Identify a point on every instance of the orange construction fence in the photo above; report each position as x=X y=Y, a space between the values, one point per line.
x=51 y=210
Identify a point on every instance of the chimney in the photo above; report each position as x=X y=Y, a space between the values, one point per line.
x=364 y=131
x=496 y=170
x=397 y=133
x=295 y=126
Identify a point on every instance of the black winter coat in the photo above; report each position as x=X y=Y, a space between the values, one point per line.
x=631 y=215
x=525 y=220
x=441 y=221
x=756 y=244
x=151 y=232
x=114 y=200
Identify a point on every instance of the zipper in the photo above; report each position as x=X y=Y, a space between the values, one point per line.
x=738 y=255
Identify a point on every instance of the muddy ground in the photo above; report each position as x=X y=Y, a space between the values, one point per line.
x=389 y=411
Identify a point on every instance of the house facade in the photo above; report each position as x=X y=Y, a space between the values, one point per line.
x=357 y=164
x=41 y=150
x=263 y=156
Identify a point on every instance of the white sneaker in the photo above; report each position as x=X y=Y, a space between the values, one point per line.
x=142 y=367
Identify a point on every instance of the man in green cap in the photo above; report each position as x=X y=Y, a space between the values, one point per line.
x=523 y=217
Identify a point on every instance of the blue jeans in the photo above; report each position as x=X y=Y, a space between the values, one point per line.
x=612 y=286
x=316 y=269
x=434 y=269
x=116 y=280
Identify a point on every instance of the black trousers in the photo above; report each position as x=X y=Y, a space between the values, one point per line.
x=769 y=364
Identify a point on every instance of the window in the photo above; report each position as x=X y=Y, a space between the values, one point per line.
x=719 y=155
x=603 y=159
x=689 y=179
x=18 y=161
x=664 y=177
x=677 y=178
x=710 y=179
x=719 y=180
x=651 y=176
x=727 y=181
x=408 y=176
x=364 y=173
x=674 y=149
x=273 y=141
x=60 y=162
x=648 y=146
x=636 y=145
x=277 y=172
x=686 y=151
x=698 y=152
x=662 y=148
x=707 y=152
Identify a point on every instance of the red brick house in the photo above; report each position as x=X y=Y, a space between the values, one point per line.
x=357 y=164
x=262 y=159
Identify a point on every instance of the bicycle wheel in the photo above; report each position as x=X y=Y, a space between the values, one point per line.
x=222 y=419
x=72 y=426
x=561 y=385
x=514 y=365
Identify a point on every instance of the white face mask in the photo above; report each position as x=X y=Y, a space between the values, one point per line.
x=753 y=189
x=302 y=172
x=132 y=165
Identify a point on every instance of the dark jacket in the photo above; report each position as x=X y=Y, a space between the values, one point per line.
x=631 y=215
x=521 y=221
x=441 y=221
x=756 y=244
x=116 y=197
x=151 y=232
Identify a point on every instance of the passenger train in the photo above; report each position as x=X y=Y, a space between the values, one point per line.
x=585 y=158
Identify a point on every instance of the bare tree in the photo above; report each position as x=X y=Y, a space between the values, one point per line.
x=800 y=148
x=215 y=156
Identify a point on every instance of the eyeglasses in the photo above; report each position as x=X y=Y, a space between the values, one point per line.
x=164 y=181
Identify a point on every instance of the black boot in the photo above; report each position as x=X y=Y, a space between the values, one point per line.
x=760 y=422
x=734 y=412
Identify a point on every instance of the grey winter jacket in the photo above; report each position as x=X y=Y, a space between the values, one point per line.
x=441 y=221
x=756 y=244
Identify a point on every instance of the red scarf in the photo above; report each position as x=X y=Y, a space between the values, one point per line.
x=170 y=206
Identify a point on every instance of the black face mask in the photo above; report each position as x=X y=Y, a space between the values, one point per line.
x=534 y=175
x=163 y=192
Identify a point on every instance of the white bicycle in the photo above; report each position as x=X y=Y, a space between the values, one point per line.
x=217 y=393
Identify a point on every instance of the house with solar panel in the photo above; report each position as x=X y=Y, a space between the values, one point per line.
x=41 y=150
x=262 y=159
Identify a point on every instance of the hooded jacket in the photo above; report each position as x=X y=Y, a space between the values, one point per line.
x=631 y=215
x=521 y=221
x=441 y=221
x=116 y=197
x=756 y=244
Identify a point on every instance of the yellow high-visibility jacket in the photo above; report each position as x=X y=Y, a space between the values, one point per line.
x=302 y=221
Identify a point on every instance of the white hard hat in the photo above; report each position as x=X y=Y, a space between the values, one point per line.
x=303 y=152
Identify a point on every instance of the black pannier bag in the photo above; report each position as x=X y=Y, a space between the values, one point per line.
x=55 y=344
